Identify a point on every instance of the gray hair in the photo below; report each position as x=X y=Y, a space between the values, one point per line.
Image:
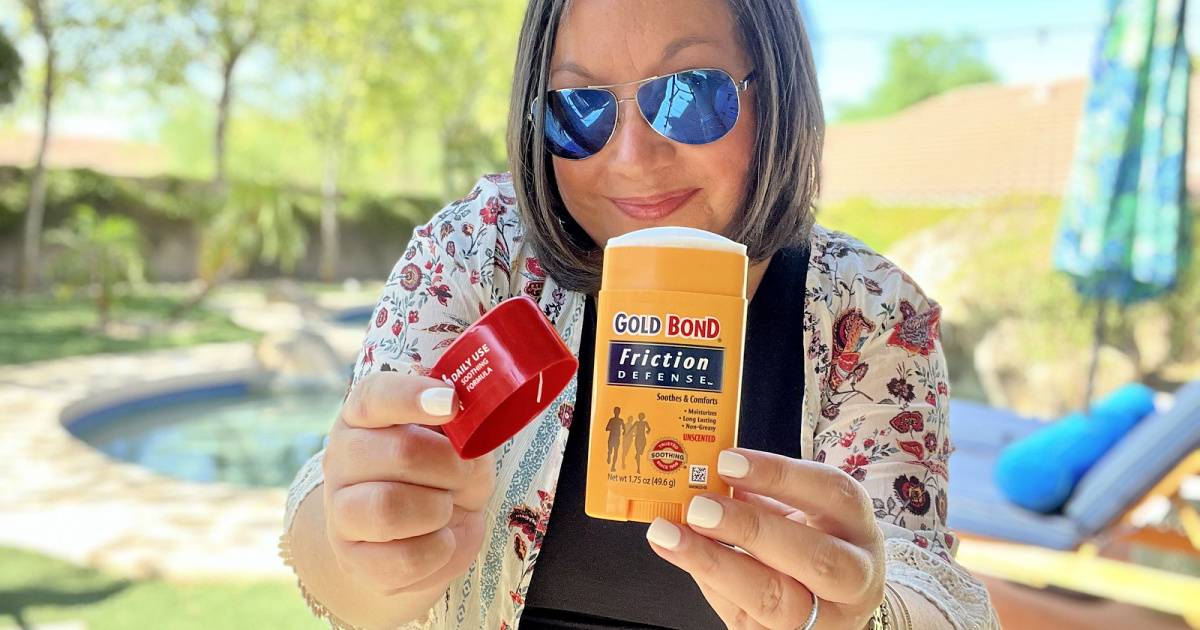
x=785 y=168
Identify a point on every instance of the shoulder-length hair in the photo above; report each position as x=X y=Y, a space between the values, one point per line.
x=784 y=174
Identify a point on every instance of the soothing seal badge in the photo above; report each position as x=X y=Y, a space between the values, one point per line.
x=667 y=455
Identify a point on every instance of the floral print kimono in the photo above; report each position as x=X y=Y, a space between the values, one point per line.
x=875 y=400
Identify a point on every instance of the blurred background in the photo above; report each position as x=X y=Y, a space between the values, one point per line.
x=201 y=199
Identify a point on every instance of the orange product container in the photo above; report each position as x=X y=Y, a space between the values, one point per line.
x=670 y=336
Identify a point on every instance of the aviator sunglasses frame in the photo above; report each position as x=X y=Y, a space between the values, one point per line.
x=739 y=87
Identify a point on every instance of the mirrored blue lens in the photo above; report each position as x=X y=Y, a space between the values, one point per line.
x=692 y=107
x=579 y=122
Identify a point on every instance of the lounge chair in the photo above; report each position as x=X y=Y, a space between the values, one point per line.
x=1112 y=506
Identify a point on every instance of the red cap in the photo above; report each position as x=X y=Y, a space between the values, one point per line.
x=506 y=370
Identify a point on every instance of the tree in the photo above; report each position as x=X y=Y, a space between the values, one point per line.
x=10 y=71
x=339 y=54
x=921 y=66
x=218 y=34
x=380 y=68
x=77 y=37
x=97 y=254
x=461 y=45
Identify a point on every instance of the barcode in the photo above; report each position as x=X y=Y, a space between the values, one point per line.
x=699 y=475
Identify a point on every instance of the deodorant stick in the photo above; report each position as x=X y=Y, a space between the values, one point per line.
x=667 y=382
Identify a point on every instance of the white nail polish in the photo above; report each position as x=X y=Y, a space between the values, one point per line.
x=730 y=464
x=705 y=512
x=438 y=401
x=663 y=533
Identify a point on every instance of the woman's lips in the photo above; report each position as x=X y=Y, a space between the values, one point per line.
x=656 y=207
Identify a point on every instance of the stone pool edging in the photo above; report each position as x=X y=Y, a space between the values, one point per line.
x=64 y=499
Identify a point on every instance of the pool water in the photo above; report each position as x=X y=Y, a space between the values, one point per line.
x=255 y=439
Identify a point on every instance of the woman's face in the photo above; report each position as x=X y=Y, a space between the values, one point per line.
x=601 y=42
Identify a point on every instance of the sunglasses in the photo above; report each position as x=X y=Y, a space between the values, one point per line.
x=691 y=107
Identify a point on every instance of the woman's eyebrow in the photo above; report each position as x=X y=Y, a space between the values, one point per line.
x=573 y=68
x=670 y=50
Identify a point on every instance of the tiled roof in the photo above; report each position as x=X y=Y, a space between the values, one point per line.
x=114 y=157
x=968 y=144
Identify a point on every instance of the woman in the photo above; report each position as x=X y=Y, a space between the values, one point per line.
x=840 y=491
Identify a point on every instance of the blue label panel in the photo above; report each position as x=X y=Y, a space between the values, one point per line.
x=700 y=368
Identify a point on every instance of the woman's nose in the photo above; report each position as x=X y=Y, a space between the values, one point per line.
x=636 y=147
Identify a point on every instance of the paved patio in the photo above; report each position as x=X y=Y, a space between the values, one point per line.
x=64 y=499
x=67 y=500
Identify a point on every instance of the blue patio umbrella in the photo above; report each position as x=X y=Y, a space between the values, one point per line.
x=1123 y=233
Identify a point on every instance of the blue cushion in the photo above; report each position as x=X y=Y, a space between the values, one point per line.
x=1151 y=450
x=1039 y=472
x=977 y=507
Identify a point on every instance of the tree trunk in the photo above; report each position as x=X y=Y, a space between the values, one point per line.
x=103 y=299
x=329 y=217
x=30 y=267
x=447 y=176
x=196 y=298
x=223 y=121
x=333 y=142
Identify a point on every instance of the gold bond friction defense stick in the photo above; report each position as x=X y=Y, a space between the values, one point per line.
x=670 y=336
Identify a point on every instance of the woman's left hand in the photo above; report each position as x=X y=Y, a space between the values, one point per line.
x=806 y=527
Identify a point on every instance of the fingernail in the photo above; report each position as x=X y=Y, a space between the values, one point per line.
x=438 y=401
x=705 y=513
x=730 y=464
x=663 y=533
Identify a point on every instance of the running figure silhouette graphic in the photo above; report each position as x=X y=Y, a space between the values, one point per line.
x=615 y=428
x=637 y=433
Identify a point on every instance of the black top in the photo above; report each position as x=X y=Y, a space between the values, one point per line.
x=576 y=588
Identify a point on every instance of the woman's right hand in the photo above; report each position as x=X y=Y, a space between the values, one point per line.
x=403 y=512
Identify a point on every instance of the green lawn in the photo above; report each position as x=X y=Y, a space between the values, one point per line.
x=35 y=589
x=40 y=327
x=881 y=226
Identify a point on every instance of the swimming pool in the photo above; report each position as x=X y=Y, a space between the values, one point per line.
x=235 y=434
